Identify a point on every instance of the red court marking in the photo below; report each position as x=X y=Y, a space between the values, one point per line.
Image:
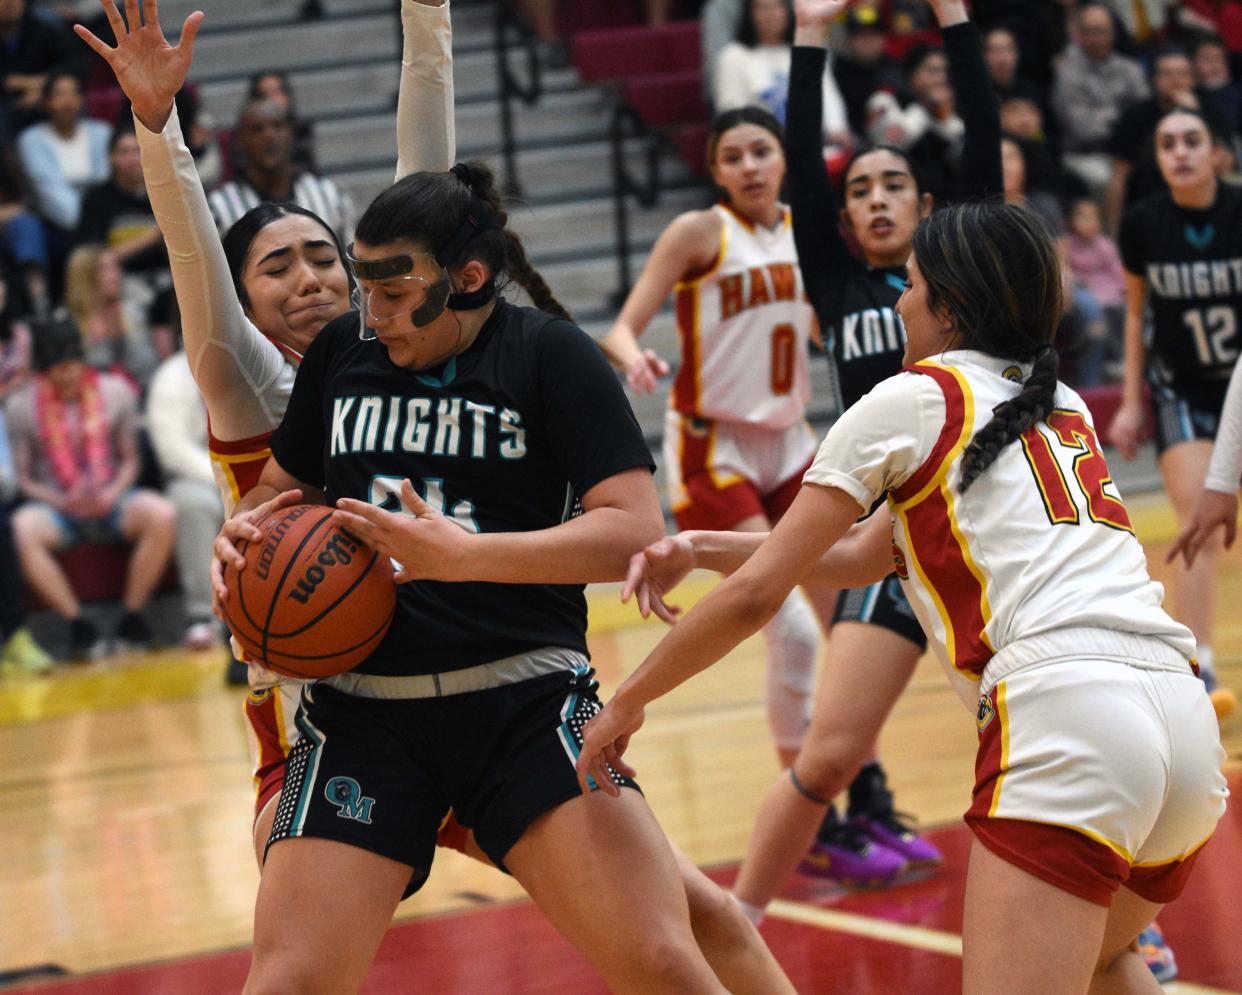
x=510 y=948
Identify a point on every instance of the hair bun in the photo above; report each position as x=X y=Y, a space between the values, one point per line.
x=464 y=173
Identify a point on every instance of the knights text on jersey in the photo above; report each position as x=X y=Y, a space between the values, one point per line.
x=1041 y=542
x=1192 y=262
x=744 y=328
x=505 y=437
x=865 y=335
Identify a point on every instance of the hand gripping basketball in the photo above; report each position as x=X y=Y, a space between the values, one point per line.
x=426 y=544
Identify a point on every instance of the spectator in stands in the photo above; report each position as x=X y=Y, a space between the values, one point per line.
x=1092 y=87
x=75 y=445
x=1025 y=184
x=117 y=214
x=62 y=157
x=18 y=650
x=114 y=334
x=22 y=234
x=754 y=69
x=1001 y=53
x=177 y=422
x=31 y=51
x=1134 y=170
x=927 y=127
x=1099 y=290
x=865 y=65
x=1214 y=79
x=1023 y=119
x=274 y=85
x=264 y=137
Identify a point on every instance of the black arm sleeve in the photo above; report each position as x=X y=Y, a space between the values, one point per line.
x=823 y=256
x=298 y=443
x=978 y=109
x=587 y=417
x=1130 y=244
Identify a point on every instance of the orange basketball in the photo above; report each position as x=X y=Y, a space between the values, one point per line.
x=313 y=600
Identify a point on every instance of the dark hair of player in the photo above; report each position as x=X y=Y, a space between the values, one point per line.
x=427 y=209
x=994 y=269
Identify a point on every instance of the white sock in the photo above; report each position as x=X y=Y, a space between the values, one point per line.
x=1207 y=660
x=752 y=912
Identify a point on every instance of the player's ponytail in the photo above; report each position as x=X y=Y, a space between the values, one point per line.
x=994 y=270
x=429 y=209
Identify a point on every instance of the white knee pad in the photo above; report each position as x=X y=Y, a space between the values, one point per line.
x=793 y=639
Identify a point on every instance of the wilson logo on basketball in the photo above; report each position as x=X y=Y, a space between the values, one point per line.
x=339 y=549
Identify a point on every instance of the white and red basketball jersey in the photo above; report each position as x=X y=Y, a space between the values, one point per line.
x=1036 y=560
x=744 y=326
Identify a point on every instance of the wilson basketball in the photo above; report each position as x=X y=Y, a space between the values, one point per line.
x=313 y=599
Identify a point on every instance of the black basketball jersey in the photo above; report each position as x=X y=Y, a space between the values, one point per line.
x=505 y=437
x=853 y=301
x=1192 y=262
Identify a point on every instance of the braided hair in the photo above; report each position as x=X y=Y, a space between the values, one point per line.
x=994 y=269
x=428 y=208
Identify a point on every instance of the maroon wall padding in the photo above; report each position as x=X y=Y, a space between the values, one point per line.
x=620 y=53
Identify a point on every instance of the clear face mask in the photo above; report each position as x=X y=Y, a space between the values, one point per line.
x=389 y=291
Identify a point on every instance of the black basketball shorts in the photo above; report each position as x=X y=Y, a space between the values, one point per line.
x=884 y=604
x=380 y=774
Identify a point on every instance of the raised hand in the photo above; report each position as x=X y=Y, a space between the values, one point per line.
x=149 y=70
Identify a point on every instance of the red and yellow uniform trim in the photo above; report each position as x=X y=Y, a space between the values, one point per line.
x=687 y=305
x=939 y=552
x=238 y=465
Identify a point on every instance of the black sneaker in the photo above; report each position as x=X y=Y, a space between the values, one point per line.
x=133 y=633
x=85 y=642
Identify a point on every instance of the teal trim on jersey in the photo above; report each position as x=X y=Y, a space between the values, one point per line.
x=1200 y=238
x=444 y=379
x=894 y=281
x=309 y=773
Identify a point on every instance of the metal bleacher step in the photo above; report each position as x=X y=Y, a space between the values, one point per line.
x=370 y=87
x=369 y=140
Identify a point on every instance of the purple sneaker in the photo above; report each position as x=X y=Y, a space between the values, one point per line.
x=850 y=856
x=891 y=832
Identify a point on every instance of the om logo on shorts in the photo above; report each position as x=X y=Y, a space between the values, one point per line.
x=346 y=794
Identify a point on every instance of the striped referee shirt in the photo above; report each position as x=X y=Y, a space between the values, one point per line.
x=231 y=200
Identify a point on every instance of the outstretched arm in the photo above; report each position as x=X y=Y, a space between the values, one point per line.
x=233 y=364
x=688 y=245
x=976 y=100
x=426 y=130
x=736 y=609
x=822 y=252
x=860 y=557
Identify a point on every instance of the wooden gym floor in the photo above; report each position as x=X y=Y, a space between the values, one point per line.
x=125 y=807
